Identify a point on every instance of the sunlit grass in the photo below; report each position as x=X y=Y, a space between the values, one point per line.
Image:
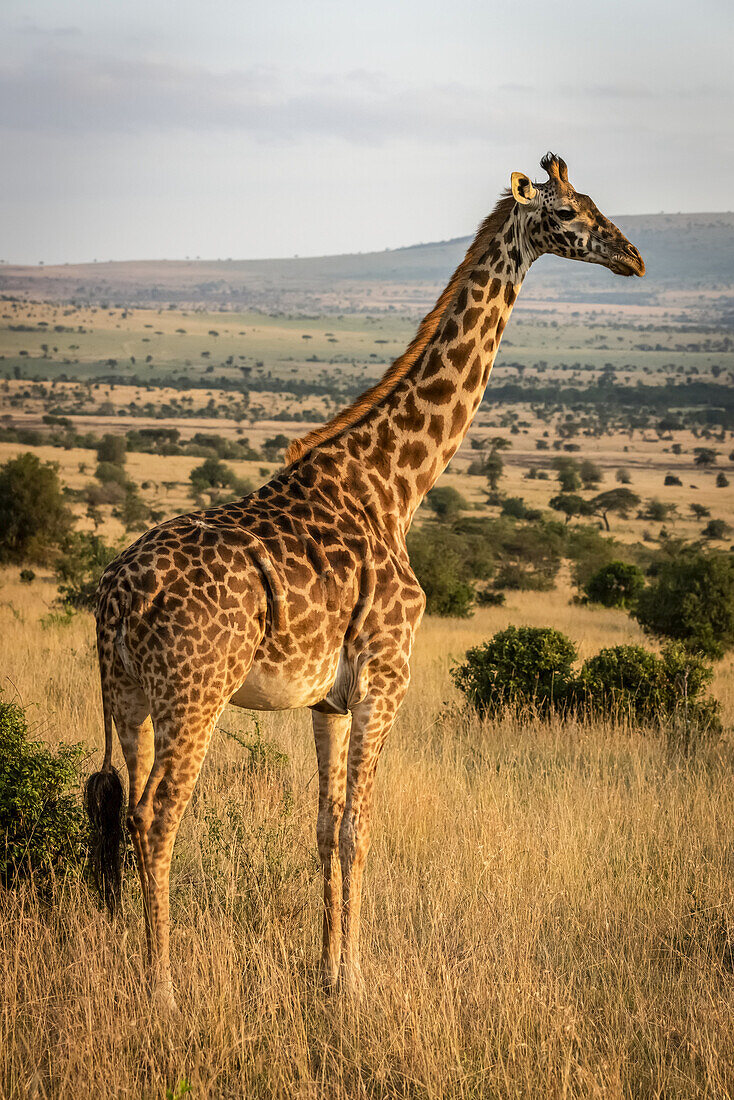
x=548 y=908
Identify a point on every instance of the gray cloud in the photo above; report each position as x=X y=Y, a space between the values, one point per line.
x=73 y=92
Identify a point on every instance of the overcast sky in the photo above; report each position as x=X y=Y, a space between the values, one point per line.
x=226 y=128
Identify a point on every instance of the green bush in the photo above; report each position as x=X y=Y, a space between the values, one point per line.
x=629 y=681
x=109 y=471
x=617 y=584
x=691 y=599
x=519 y=666
x=446 y=502
x=33 y=515
x=82 y=562
x=533 y=667
x=438 y=561
x=43 y=829
x=111 y=450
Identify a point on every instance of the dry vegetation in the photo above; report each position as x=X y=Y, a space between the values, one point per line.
x=548 y=908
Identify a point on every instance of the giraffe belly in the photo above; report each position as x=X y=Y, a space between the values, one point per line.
x=273 y=689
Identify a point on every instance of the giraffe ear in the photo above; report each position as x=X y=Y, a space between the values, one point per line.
x=522 y=189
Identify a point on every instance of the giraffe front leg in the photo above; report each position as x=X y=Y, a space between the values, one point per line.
x=331 y=734
x=371 y=723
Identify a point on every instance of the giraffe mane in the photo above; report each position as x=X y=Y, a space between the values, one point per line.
x=394 y=374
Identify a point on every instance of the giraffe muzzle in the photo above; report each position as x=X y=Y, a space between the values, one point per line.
x=626 y=260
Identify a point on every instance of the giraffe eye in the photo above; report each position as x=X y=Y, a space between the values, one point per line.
x=566 y=215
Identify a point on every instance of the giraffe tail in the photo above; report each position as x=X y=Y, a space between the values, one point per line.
x=103 y=797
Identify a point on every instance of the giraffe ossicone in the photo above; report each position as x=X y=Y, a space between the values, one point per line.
x=302 y=594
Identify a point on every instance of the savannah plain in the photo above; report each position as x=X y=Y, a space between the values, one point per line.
x=549 y=906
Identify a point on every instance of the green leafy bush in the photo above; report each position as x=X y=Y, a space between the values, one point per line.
x=617 y=584
x=533 y=667
x=629 y=681
x=81 y=563
x=446 y=502
x=33 y=515
x=691 y=599
x=519 y=666
x=43 y=829
x=438 y=560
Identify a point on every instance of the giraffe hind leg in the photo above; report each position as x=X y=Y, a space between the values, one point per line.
x=135 y=732
x=181 y=741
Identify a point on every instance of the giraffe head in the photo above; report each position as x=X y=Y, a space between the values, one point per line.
x=560 y=220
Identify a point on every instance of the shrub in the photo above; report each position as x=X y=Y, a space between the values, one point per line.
x=590 y=473
x=446 y=502
x=109 y=471
x=82 y=562
x=111 y=450
x=516 y=508
x=42 y=822
x=441 y=567
x=519 y=666
x=27 y=576
x=691 y=599
x=33 y=515
x=722 y=481
x=533 y=667
x=671 y=479
x=668 y=690
x=133 y=512
x=716 y=529
x=617 y=584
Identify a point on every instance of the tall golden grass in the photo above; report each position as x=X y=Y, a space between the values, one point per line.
x=548 y=907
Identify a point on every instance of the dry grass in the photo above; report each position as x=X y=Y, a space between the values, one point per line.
x=547 y=910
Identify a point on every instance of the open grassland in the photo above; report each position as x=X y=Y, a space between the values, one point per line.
x=548 y=907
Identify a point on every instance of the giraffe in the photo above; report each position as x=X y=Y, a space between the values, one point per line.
x=302 y=594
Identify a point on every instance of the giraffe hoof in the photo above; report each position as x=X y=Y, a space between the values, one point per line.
x=352 y=982
x=330 y=979
x=163 y=997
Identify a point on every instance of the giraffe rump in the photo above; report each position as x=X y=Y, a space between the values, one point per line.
x=426 y=331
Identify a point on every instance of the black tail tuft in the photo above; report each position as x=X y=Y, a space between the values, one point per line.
x=103 y=799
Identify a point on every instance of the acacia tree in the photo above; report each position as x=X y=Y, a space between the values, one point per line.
x=619 y=501
x=571 y=504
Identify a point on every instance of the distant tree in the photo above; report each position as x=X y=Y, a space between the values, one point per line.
x=590 y=473
x=571 y=504
x=716 y=529
x=493 y=468
x=112 y=448
x=33 y=516
x=722 y=481
x=446 y=502
x=516 y=508
x=274 y=448
x=618 y=501
x=110 y=471
x=567 y=470
x=705 y=456
x=658 y=510
x=671 y=479
x=499 y=443
x=700 y=511
x=623 y=476
x=212 y=474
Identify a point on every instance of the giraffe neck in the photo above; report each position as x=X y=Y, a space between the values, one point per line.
x=406 y=441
